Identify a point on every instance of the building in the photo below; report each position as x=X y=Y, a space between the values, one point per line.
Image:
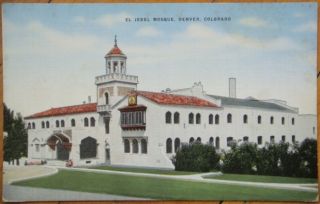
x=139 y=128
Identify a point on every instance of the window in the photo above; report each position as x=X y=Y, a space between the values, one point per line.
x=259 y=119
x=168 y=117
x=191 y=118
x=229 y=118
x=169 y=145
x=92 y=122
x=259 y=140
x=88 y=148
x=47 y=124
x=73 y=122
x=198 y=140
x=229 y=141
x=42 y=124
x=191 y=140
x=106 y=125
x=126 y=146
x=135 y=147
x=62 y=123
x=57 y=123
x=210 y=119
x=271 y=120
x=272 y=139
x=37 y=147
x=314 y=130
x=282 y=121
x=33 y=126
x=29 y=126
x=86 y=122
x=198 y=118
x=176 y=118
x=283 y=138
x=292 y=121
x=176 y=144
x=211 y=141
x=217 y=143
x=144 y=147
x=216 y=119
x=293 y=139
x=245 y=119
x=245 y=139
x=106 y=97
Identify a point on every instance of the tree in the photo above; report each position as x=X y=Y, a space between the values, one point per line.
x=15 y=144
x=308 y=153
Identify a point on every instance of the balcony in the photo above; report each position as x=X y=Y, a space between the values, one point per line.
x=103 y=108
x=116 y=77
x=140 y=126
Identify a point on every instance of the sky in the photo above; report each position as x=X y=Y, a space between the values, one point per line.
x=53 y=52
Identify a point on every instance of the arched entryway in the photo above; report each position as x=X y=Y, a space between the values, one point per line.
x=61 y=144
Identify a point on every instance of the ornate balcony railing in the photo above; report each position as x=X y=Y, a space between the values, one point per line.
x=103 y=108
x=115 y=77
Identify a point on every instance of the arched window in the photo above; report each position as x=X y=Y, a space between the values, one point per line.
x=88 y=148
x=176 y=118
x=245 y=119
x=282 y=121
x=293 y=139
x=198 y=140
x=198 y=118
x=229 y=118
x=135 y=147
x=106 y=96
x=191 y=140
x=176 y=144
x=86 y=122
x=42 y=124
x=259 y=119
x=210 y=119
x=57 y=123
x=271 y=120
x=33 y=125
x=283 y=138
x=272 y=139
x=211 y=141
x=191 y=118
x=126 y=146
x=217 y=143
x=292 y=121
x=168 y=117
x=229 y=141
x=92 y=122
x=47 y=124
x=144 y=148
x=73 y=122
x=245 y=139
x=216 y=119
x=169 y=145
x=62 y=123
x=29 y=125
x=259 y=140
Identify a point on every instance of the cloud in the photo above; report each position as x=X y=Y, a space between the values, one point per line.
x=253 y=22
x=307 y=27
x=79 y=19
x=112 y=19
x=148 y=31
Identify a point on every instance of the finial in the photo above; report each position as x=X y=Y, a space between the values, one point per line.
x=115 y=41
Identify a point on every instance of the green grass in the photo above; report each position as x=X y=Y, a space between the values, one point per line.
x=265 y=179
x=141 y=170
x=156 y=188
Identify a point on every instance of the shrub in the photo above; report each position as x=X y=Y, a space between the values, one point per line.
x=196 y=157
x=308 y=154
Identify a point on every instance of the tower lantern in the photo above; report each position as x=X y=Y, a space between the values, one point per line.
x=115 y=60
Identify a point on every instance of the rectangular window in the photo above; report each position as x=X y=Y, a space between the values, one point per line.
x=37 y=147
x=107 y=124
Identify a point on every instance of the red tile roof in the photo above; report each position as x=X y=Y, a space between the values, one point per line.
x=83 y=108
x=115 y=51
x=173 y=99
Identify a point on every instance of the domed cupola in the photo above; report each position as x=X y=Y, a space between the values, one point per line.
x=115 y=60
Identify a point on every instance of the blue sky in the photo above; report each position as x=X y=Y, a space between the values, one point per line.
x=53 y=52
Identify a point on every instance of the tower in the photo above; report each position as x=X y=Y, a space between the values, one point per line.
x=116 y=83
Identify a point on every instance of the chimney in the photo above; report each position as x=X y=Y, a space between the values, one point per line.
x=232 y=88
x=89 y=99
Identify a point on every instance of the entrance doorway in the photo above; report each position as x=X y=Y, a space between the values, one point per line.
x=62 y=152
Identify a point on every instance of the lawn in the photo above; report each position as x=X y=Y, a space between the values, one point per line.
x=156 y=188
x=265 y=179
x=141 y=170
